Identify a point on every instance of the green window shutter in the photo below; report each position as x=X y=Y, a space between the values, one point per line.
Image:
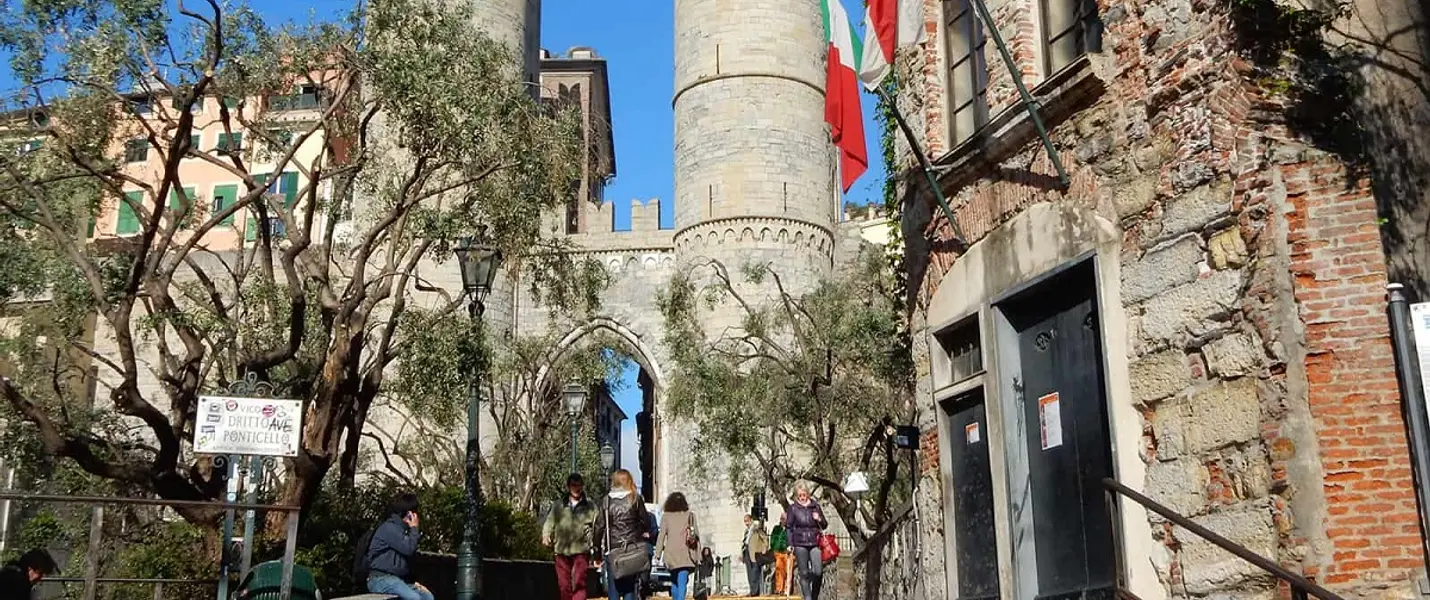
x=289 y=185
x=224 y=197
x=230 y=142
x=89 y=232
x=128 y=219
x=194 y=141
x=250 y=230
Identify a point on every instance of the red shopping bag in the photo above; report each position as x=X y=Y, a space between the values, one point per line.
x=828 y=548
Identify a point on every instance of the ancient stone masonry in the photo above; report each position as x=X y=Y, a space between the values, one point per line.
x=1251 y=275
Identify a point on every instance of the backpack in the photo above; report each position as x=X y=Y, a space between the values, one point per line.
x=362 y=563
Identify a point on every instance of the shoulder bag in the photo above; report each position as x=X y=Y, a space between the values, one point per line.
x=627 y=561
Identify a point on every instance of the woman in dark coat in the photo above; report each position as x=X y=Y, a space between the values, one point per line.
x=805 y=523
x=623 y=523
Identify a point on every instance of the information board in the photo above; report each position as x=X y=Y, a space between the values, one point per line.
x=251 y=426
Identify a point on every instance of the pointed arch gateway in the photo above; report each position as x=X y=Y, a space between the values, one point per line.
x=652 y=382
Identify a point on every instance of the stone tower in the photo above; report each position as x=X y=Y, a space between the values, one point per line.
x=516 y=24
x=754 y=177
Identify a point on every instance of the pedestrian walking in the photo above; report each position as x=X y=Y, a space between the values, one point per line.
x=678 y=543
x=19 y=578
x=805 y=522
x=394 y=544
x=568 y=532
x=753 y=552
x=623 y=536
x=779 y=545
x=707 y=570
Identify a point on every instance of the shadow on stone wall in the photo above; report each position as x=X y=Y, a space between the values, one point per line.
x=502 y=579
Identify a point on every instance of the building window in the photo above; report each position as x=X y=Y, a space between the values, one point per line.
x=307 y=97
x=176 y=202
x=136 y=151
x=229 y=143
x=285 y=185
x=1071 y=28
x=194 y=141
x=142 y=106
x=224 y=197
x=967 y=72
x=962 y=352
x=177 y=103
x=128 y=222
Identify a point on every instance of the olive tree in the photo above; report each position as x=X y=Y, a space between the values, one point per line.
x=805 y=387
x=418 y=130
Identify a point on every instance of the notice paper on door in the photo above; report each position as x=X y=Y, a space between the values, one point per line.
x=1050 y=418
x=970 y=431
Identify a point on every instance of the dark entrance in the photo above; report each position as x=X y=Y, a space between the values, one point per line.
x=1064 y=420
x=974 y=536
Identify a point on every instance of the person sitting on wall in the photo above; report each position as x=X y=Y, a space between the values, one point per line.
x=18 y=578
x=394 y=545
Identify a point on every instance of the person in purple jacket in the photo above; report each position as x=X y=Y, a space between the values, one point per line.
x=805 y=522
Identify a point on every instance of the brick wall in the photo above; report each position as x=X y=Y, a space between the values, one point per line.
x=1339 y=271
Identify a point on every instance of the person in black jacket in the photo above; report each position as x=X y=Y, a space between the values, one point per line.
x=394 y=544
x=624 y=526
x=18 y=579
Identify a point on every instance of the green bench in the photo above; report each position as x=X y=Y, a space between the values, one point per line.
x=265 y=582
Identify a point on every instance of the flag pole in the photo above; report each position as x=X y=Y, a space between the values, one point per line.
x=1029 y=103
x=924 y=165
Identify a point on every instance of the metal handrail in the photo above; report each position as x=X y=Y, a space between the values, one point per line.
x=145 y=502
x=1300 y=586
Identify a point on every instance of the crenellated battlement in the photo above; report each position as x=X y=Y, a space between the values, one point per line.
x=645 y=216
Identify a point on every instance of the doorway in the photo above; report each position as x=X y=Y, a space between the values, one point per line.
x=1057 y=418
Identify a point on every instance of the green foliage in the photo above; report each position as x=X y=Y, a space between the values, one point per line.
x=341 y=515
x=796 y=390
x=1321 y=80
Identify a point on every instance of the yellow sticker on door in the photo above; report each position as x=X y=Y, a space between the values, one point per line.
x=1050 y=418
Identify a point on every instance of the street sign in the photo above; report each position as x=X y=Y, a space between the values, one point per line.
x=1420 y=324
x=251 y=426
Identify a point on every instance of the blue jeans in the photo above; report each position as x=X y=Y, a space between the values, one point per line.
x=809 y=570
x=387 y=584
x=678 y=587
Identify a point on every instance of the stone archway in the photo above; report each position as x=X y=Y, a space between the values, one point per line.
x=652 y=381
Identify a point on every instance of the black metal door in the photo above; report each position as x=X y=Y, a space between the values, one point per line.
x=1069 y=447
x=974 y=535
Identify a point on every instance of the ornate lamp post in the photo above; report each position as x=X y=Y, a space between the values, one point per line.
x=608 y=458
x=575 y=396
x=479 y=261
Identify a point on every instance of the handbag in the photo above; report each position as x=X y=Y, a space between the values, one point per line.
x=692 y=541
x=828 y=548
x=628 y=561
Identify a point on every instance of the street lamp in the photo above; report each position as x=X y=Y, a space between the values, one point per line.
x=608 y=458
x=479 y=262
x=575 y=396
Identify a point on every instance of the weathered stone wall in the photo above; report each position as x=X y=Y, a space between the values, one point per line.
x=1253 y=277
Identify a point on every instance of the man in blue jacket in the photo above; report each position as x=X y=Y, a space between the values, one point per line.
x=394 y=544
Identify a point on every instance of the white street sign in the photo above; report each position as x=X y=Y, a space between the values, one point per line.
x=1420 y=324
x=252 y=426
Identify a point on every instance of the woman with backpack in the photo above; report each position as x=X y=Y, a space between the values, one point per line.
x=805 y=523
x=623 y=536
x=678 y=543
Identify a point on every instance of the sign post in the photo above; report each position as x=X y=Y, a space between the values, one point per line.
x=1409 y=327
x=247 y=429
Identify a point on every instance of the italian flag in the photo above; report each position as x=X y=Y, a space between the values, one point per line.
x=889 y=24
x=841 y=93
